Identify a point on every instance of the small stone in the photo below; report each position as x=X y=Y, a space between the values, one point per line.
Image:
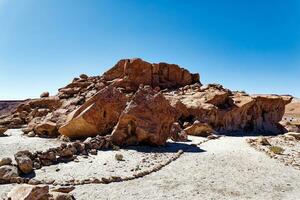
x=2 y=131
x=83 y=76
x=34 y=182
x=16 y=180
x=119 y=157
x=31 y=134
x=64 y=138
x=213 y=137
x=263 y=141
x=44 y=94
x=67 y=151
x=37 y=165
x=64 y=189
x=105 y=180
x=93 y=151
x=26 y=130
x=5 y=161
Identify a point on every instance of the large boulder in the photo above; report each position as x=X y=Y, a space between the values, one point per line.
x=131 y=73
x=97 y=116
x=147 y=119
x=29 y=192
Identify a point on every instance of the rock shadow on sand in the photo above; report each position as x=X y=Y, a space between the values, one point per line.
x=170 y=147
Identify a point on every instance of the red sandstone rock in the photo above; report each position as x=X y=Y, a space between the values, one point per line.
x=147 y=119
x=131 y=73
x=229 y=113
x=46 y=129
x=199 y=129
x=97 y=116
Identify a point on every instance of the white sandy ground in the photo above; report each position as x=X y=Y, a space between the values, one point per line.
x=227 y=168
x=17 y=142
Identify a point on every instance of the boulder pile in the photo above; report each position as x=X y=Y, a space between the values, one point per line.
x=139 y=102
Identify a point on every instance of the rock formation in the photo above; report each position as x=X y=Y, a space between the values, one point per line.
x=129 y=74
x=229 y=112
x=139 y=102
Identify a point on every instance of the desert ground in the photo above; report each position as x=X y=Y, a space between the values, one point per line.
x=224 y=168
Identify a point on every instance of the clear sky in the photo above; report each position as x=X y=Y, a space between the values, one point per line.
x=251 y=45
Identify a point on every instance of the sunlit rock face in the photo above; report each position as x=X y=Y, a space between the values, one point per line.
x=137 y=102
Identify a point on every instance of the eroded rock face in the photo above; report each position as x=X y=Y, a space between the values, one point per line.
x=131 y=73
x=228 y=112
x=99 y=115
x=147 y=119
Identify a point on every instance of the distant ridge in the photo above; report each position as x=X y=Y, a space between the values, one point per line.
x=7 y=106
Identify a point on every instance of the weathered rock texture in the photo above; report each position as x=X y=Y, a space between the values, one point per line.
x=229 y=112
x=139 y=102
x=147 y=119
x=98 y=115
x=129 y=74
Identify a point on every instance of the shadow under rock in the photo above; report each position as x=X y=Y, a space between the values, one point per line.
x=30 y=176
x=249 y=134
x=170 y=147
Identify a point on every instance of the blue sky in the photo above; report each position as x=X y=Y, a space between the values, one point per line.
x=251 y=45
